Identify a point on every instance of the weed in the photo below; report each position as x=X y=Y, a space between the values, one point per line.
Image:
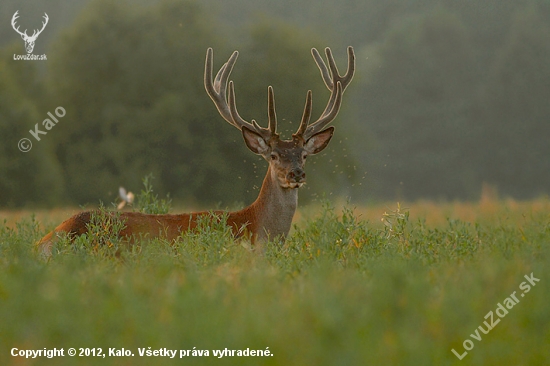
x=149 y=203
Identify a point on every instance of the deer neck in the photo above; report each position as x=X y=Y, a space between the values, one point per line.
x=274 y=208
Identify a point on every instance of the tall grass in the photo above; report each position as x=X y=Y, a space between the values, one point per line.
x=340 y=291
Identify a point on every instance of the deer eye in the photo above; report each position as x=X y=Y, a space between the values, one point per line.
x=274 y=157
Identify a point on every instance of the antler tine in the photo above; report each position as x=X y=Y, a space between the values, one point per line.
x=272 y=116
x=217 y=90
x=346 y=79
x=218 y=79
x=46 y=19
x=333 y=76
x=305 y=117
x=336 y=83
x=226 y=104
x=13 y=21
x=327 y=77
x=351 y=69
x=326 y=117
x=239 y=122
x=14 y=18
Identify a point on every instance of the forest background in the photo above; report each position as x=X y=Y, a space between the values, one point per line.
x=449 y=96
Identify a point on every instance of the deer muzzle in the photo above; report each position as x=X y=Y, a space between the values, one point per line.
x=296 y=177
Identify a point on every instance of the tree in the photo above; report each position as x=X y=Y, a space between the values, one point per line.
x=417 y=106
x=132 y=81
x=26 y=178
x=515 y=106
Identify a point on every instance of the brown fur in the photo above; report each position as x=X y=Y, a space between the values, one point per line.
x=149 y=226
x=242 y=223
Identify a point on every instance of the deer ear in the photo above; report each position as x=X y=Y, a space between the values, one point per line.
x=254 y=142
x=316 y=143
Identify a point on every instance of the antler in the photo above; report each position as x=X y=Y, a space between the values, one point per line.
x=36 y=32
x=13 y=19
x=336 y=83
x=227 y=106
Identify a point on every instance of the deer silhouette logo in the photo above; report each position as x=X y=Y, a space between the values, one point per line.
x=29 y=40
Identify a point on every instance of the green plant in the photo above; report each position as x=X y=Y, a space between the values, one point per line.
x=149 y=203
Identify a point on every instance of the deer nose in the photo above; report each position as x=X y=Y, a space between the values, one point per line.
x=296 y=175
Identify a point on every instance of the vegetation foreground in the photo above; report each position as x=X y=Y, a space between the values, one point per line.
x=341 y=291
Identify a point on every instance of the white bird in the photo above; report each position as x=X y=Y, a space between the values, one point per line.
x=126 y=198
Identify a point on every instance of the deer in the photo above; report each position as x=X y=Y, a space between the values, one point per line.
x=29 y=40
x=269 y=217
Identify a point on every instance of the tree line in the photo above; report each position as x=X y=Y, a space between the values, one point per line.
x=446 y=98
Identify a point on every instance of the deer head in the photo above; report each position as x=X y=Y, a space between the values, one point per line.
x=286 y=158
x=29 y=40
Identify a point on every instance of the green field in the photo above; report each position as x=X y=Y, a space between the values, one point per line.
x=387 y=285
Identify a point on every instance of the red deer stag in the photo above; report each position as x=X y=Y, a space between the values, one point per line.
x=270 y=215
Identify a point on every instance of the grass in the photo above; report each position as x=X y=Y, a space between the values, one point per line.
x=382 y=286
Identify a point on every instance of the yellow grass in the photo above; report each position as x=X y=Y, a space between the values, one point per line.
x=437 y=213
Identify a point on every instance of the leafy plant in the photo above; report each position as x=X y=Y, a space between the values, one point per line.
x=149 y=203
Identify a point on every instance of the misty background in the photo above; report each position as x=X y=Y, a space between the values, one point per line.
x=449 y=96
